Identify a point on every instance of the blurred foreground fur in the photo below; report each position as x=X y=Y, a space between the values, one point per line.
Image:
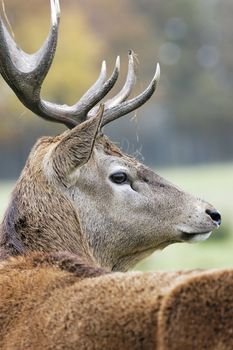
x=43 y=307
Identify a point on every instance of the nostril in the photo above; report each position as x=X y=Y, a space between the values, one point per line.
x=215 y=216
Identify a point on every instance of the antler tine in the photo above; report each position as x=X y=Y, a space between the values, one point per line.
x=25 y=73
x=126 y=90
x=128 y=106
x=95 y=87
x=95 y=94
x=128 y=86
x=15 y=63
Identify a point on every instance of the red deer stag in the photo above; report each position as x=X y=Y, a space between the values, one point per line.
x=82 y=208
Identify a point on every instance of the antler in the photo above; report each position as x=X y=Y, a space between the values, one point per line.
x=25 y=74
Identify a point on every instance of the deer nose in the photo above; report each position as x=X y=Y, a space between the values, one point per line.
x=215 y=215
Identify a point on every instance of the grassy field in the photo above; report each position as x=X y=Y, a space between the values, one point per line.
x=212 y=183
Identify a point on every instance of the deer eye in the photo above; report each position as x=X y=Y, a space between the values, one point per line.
x=119 y=178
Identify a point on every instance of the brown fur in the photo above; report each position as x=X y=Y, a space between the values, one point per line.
x=198 y=313
x=39 y=217
x=47 y=308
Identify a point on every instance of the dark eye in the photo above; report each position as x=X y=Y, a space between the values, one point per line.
x=119 y=178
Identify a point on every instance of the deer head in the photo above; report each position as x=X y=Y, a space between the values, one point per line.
x=78 y=192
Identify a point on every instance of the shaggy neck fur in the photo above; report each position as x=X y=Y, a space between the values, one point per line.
x=29 y=223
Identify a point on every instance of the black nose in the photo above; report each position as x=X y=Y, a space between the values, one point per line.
x=215 y=216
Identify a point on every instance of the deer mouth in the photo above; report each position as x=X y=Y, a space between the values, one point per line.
x=192 y=237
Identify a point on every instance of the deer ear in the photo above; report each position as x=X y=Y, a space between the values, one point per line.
x=75 y=149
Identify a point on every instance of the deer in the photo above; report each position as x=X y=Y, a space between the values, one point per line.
x=83 y=211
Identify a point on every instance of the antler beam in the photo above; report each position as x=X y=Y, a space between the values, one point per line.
x=25 y=74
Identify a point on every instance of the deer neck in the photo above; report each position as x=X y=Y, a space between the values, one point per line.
x=41 y=218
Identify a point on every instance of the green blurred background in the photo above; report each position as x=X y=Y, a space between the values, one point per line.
x=184 y=132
